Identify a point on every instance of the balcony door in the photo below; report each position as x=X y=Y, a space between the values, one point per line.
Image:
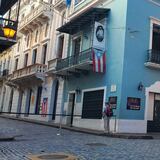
x=34 y=56
x=155 y=57
x=76 y=48
x=154 y=125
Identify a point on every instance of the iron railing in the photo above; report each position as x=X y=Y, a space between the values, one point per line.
x=82 y=57
x=153 y=56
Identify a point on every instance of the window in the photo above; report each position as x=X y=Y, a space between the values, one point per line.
x=34 y=56
x=77 y=45
x=28 y=39
x=36 y=36
x=60 y=46
x=16 y=64
x=44 y=53
x=156 y=38
x=25 y=60
x=38 y=101
x=46 y=30
x=93 y=104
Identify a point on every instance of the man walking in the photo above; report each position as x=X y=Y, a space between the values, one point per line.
x=107 y=114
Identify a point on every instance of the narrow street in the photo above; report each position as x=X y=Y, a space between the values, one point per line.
x=36 y=139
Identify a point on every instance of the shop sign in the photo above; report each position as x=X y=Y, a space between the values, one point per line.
x=133 y=103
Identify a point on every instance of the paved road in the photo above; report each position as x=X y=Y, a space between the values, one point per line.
x=35 y=139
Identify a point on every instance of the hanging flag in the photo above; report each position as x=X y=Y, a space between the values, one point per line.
x=68 y=3
x=99 y=60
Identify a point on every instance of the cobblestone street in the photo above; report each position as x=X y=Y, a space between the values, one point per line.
x=35 y=139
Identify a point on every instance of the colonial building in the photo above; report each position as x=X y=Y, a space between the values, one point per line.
x=129 y=75
x=72 y=57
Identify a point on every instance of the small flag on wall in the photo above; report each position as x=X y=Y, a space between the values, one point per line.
x=68 y=3
x=99 y=60
x=44 y=106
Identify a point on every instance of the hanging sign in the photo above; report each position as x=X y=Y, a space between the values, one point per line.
x=99 y=36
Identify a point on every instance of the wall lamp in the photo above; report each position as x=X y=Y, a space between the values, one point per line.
x=140 y=86
x=9 y=31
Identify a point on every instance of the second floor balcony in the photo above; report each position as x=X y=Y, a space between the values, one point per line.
x=73 y=65
x=37 y=16
x=153 y=59
x=32 y=74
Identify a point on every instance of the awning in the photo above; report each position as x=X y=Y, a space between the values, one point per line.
x=5 y=5
x=93 y=14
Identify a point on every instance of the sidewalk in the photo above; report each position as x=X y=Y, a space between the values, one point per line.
x=88 y=131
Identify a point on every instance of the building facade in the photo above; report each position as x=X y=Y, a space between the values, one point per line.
x=71 y=59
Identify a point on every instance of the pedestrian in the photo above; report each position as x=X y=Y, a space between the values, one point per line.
x=107 y=114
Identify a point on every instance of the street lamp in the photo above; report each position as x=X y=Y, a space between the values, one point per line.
x=9 y=31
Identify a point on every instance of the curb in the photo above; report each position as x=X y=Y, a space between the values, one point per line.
x=82 y=130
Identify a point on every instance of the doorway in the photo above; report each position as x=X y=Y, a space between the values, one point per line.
x=10 y=101
x=20 y=98
x=71 y=105
x=38 y=100
x=154 y=126
x=55 y=100
x=3 y=97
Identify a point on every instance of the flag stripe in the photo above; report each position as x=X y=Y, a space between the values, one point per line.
x=99 y=61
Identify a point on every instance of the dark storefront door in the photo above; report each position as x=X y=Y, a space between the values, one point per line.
x=154 y=126
x=71 y=109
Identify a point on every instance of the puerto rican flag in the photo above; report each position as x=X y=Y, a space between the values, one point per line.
x=99 y=60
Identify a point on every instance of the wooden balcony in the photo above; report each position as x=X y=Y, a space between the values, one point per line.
x=38 y=16
x=153 y=59
x=30 y=75
x=60 y=5
x=73 y=65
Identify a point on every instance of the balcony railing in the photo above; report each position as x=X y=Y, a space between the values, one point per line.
x=29 y=70
x=153 y=56
x=75 y=60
